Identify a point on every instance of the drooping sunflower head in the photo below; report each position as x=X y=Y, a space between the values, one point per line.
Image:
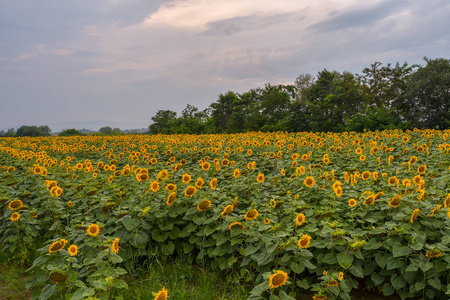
x=235 y=225
x=204 y=205
x=300 y=219
x=395 y=201
x=304 y=241
x=115 y=246
x=393 y=180
x=15 y=204
x=57 y=276
x=34 y=214
x=93 y=229
x=213 y=183
x=279 y=278
x=251 y=214
x=226 y=211
x=414 y=215
x=57 y=246
x=370 y=200
x=170 y=199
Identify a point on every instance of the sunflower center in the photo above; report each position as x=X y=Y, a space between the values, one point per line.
x=278 y=279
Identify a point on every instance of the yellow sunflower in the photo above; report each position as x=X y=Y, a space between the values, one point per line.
x=73 y=250
x=304 y=241
x=414 y=215
x=15 y=204
x=352 y=202
x=154 y=186
x=226 y=211
x=236 y=173
x=171 y=187
x=199 y=183
x=115 y=246
x=186 y=178
x=93 y=229
x=421 y=169
x=170 y=199
x=267 y=221
x=190 y=191
x=206 y=165
x=15 y=217
x=395 y=201
x=260 y=178
x=309 y=181
x=251 y=215
x=161 y=295
x=57 y=246
x=278 y=279
x=370 y=200
x=213 y=183
x=300 y=219
x=204 y=205
x=237 y=225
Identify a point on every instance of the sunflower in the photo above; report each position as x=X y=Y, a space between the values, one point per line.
x=226 y=211
x=421 y=169
x=390 y=159
x=237 y=225
x=332 y=283
x=320 y=297
x=115 y=246
x=352 y=202
x=393 y=180
x=213 y=183
x=406 y=182
x=70 y=204
x=338 y=191
x=15 y=217
x=204 y=205
x=375 y=175
x=365 y=175
x=190 y=191
x=341 y=276
x=309 y=181
x=57 y=276
x=161 y=295
x=278 y=279
x=15 y=204
x=433 y=253
x=199 y=183
x=206 y=165
x=110 y=179
x=249 y=152
x=234 y=204
x=414 y=215
x=170 y=199
x=186 y=178
x=260 y=178
x=154 y=186
x=34 y=214
x=236 y=173
x=417 y=180
x=73 y=250
x=163 y=174
x=395 y=201
x=171 y=187
x=251 y=215
x=447 y=201
x=362 y=158
x=435 y=210
x=93 y=229
x=370 y=200
x=267 y=221
x=57 y=246
x=304 y=241
x=300 y=219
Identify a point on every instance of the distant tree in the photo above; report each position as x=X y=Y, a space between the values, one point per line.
x=33 y=131
x=106 y=130
x=163 y=122
x=9 y=133
x=426 y=101
x=70 y=132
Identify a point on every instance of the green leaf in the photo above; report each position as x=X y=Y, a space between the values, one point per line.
x=159 y=236
x=41 y=276
x=426 y=266
x=130 y=223
x=270 y=248
x=259 y=289
x=411 y=268
x=303 y=284
x=309 y=265
x=345 y=260
x=388 y=289
x=167 y=249
x=283 y=296
x=329 y=259
x=297 y=267
x=120 y=284
x=394 y=263
x=377 y=279
x=48 y=291
x=28 y=239
x=398 y=250
x=397 y=282
x=435 y=282
x=139 y=240
x=419 y=286
x=251 y=249
x=357 y=270
x=100 y=284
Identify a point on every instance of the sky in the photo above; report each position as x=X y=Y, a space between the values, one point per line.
x=95 y=63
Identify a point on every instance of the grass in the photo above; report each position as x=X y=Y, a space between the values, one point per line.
x=183 y=281
x=12 y=280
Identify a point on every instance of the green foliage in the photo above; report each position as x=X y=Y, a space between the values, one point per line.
x=70 y=132
x=33 y=131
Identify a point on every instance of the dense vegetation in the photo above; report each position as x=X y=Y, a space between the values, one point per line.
x=290 y=214
x=381 y=97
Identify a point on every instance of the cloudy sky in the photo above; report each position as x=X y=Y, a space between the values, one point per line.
x=93 y=63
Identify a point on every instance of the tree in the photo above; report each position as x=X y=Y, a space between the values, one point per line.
x=33 y=131
x=163 y=122
x=70 y=132
x=426 y=101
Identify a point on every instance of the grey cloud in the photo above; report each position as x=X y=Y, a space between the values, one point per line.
x=238 y=24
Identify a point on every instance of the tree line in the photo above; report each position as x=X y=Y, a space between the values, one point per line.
x=381 y=97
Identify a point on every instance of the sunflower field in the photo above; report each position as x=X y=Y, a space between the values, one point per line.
x=291 y=214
